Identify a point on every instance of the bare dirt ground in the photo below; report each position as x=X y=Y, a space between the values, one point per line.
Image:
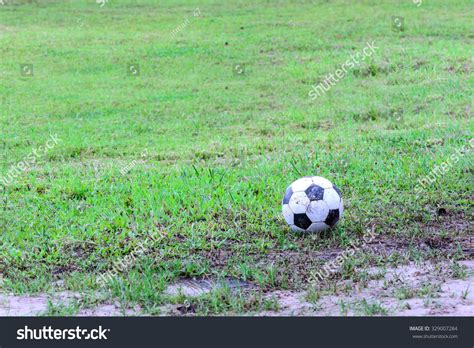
x=11 y=305
x=426 y=289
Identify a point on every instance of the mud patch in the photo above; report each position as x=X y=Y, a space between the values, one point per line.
x=22 y=305
x=109 y=310
x=427 y=289
x=11 y=305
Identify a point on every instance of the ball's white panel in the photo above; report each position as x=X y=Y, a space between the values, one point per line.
x=317 y=211
x=299 y=202
x=332 y=198
x=317 y=227
x=301 y=184
x=322 y=182
x=288 y=214
x=296 y=228
x=341 y=209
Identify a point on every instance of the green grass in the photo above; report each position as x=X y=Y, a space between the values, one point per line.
x=209 y=152
x=370 y=309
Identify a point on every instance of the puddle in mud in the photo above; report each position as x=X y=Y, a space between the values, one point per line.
x=196 y=287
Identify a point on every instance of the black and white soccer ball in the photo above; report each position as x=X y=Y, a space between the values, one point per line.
x=312 y=204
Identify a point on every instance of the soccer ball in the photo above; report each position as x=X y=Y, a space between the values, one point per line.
x=312 y=204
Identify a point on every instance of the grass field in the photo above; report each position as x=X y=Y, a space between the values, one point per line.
x=181 y=125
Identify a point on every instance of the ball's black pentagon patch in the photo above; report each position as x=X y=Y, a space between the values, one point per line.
x=315 y=192
x=337 y=190
x=332 y=218
x=302 y=221
x=288 y=195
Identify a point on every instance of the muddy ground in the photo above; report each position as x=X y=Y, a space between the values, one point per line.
x=425 y=289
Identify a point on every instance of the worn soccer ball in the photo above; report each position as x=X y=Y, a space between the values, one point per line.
x=312 y=204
